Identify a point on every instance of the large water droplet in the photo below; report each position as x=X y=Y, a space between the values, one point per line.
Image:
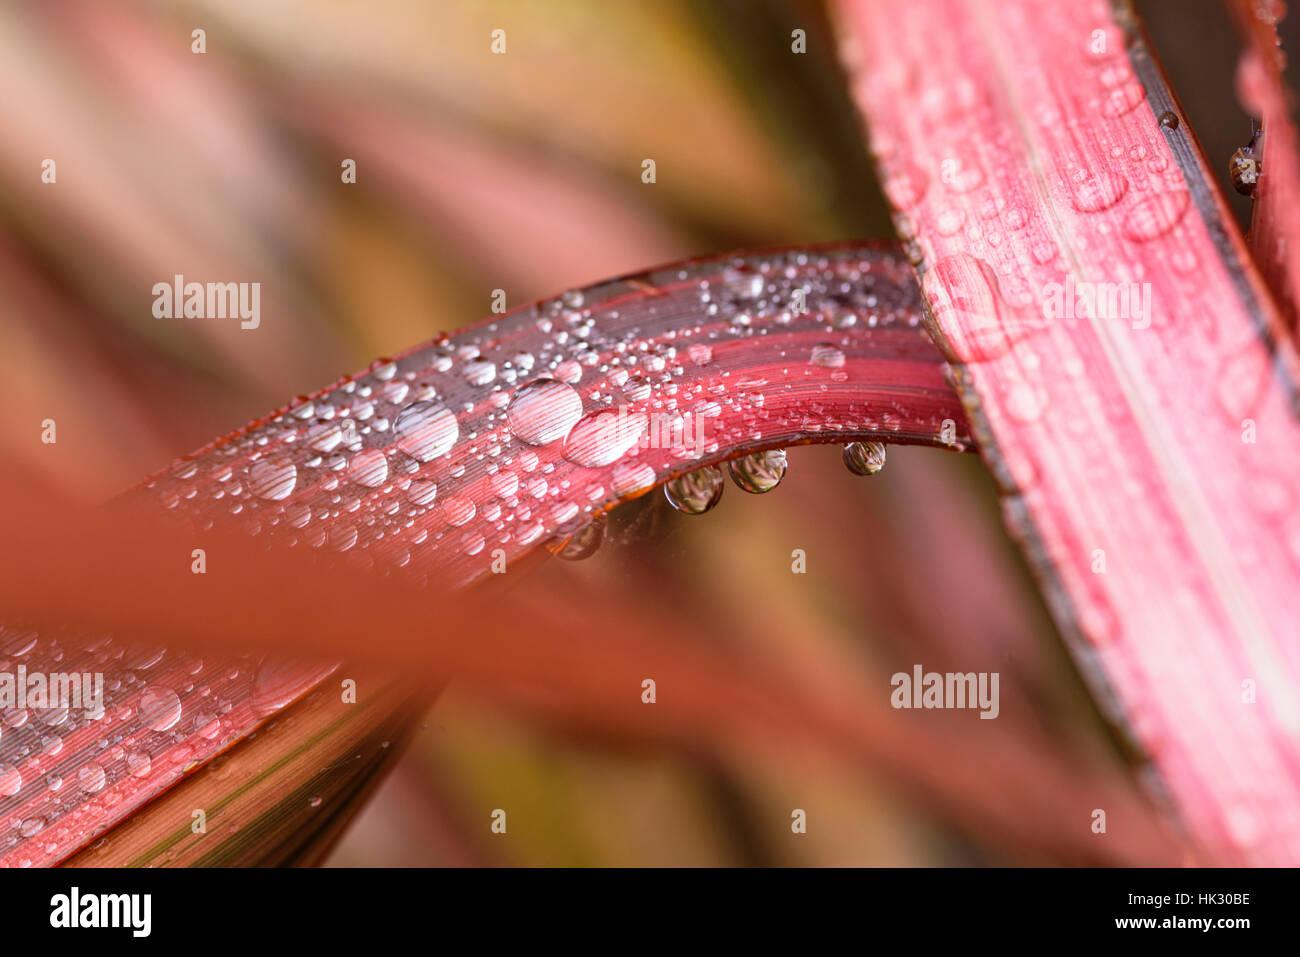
x=272 y=478
x=543 y=411
x=696 y=492
x=758 y=472
x=426 y=430
x=864 y=458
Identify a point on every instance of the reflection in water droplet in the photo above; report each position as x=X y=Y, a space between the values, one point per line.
x=696 y=492
x=583 y=543
x=272 y=478
x=864 y=458
x=543 y=411
x=426 y=430
x=758 y=472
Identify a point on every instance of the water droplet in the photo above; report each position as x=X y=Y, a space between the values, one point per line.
x=478 y=371
x=583 y=543
x=632 y=478
x=272 y=478
x=160 y=708
x=1125 y=98
x=279 y=681
x=602 y=438
x=422 y=492
x=314 y=801
x=864 y=458
x=1169 y=120
x=827 y=356
x=369 y=467
x=968 y=306
x=91 y=778
x=1156 y=215
x=1099 y=191
x=426 y=430
x=543 y=411
x=138 y=763
x=10 y=780
x=950 y=221
x=700 y=353
x=905 y=185
x=758 y=472
x=458 y=509
x=1242 y=381
x=696 y=492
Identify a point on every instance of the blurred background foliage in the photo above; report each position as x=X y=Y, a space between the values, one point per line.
x=522 y=172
